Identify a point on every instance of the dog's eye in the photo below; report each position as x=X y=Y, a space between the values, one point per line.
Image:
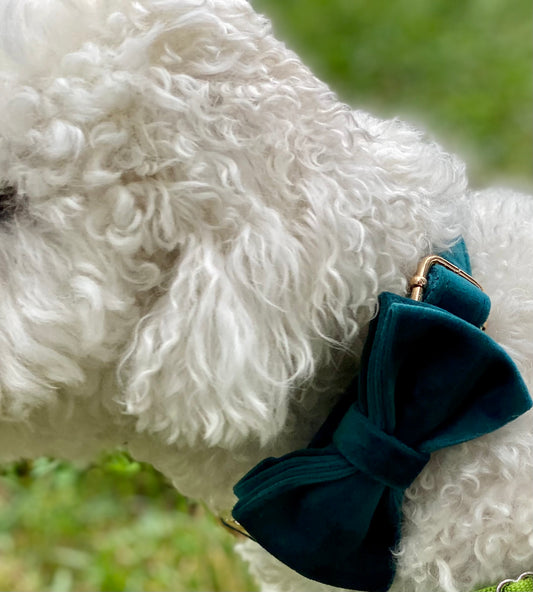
x=9 y=202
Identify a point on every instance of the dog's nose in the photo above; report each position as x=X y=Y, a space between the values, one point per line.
x=9 y=201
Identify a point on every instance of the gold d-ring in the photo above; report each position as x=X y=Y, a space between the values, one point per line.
x=234 y=527
x=419 y=280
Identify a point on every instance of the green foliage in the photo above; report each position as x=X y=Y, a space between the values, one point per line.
x=116 y=526
x=462 y=70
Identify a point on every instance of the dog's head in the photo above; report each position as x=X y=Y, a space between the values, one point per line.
x=187 y=208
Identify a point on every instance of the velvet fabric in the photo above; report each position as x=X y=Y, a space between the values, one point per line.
x=429 y=378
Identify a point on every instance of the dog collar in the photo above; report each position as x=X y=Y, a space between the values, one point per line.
x=523 y=583
x=429 y=378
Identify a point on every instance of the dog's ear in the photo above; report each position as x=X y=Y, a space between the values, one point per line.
x=218 y=353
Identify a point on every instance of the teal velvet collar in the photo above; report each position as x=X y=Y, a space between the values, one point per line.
x=429 y=378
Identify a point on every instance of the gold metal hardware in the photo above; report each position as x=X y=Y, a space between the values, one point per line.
x=419 y=280
x=234 y=527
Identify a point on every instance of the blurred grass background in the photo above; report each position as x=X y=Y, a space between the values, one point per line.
x=462 y=70
x=116 y=526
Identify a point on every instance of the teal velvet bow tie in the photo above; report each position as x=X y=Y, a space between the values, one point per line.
x=429 y=378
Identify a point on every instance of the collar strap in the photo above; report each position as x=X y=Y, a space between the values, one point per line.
x=429 y=378
x=523 y=583
x=450 y=288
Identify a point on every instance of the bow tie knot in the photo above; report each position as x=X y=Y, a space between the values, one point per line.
x=375 y=453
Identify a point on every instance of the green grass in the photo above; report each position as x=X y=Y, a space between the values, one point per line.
x=460 y=69
x=114 y=527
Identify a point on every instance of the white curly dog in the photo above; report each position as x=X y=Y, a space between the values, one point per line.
x=194 y=232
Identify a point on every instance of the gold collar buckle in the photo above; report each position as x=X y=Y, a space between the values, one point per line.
x=419 y=280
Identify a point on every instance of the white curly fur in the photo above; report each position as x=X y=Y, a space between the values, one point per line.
x=201 y=235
